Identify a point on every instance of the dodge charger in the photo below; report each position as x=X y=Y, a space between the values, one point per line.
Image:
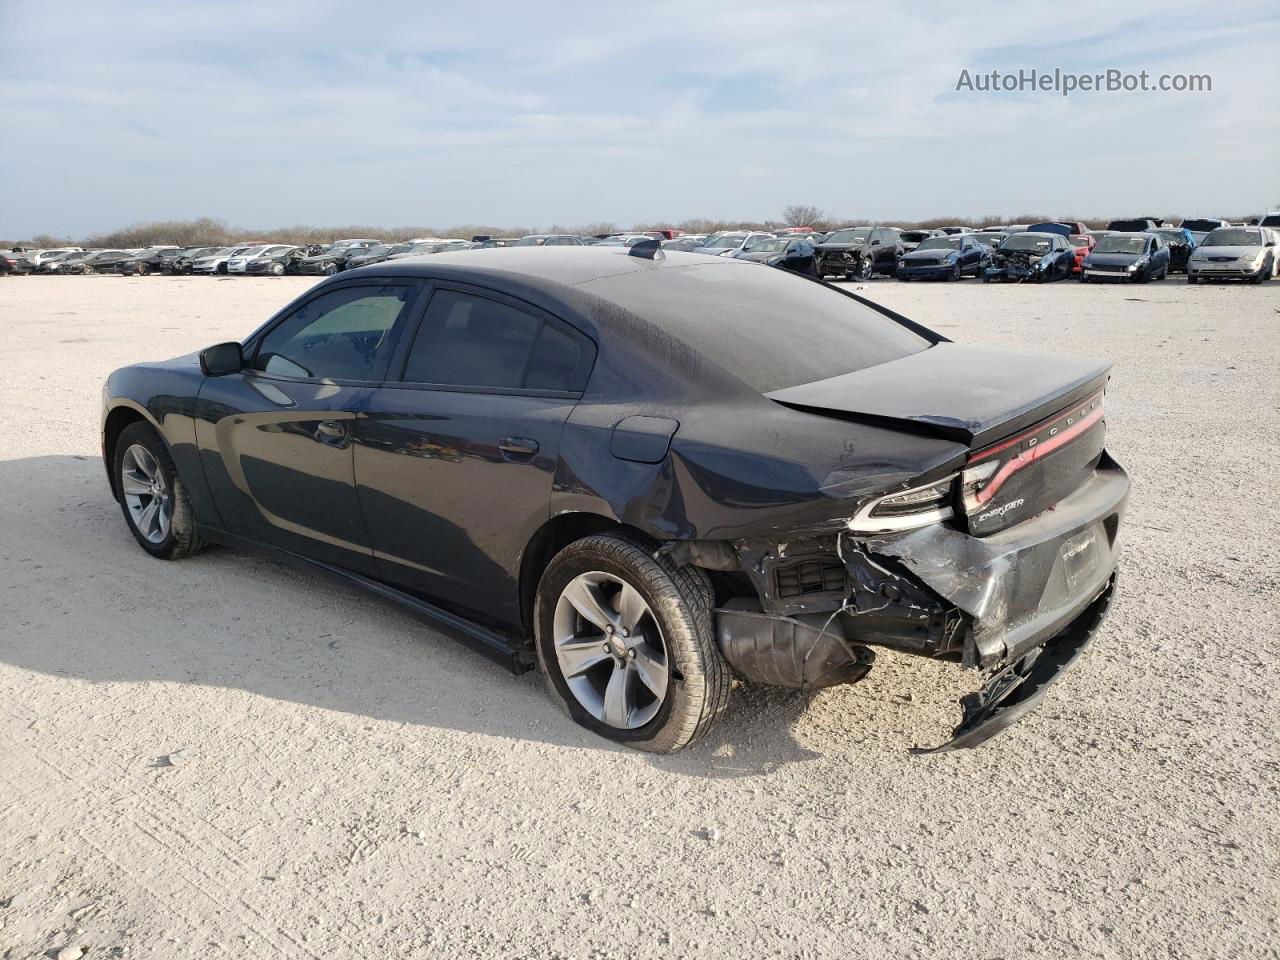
x=648 y=475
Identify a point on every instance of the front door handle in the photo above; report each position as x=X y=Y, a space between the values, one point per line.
x=518 y=448
x=333 y=432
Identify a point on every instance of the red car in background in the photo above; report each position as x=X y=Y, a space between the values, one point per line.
x=1083 y=243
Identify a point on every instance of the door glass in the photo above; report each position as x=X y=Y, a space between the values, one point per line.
x=341 y=335
x=471 y=341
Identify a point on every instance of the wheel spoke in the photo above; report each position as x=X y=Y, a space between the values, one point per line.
x=590 y=602
x=617 y=698
x=578 y=656
x=146 y=519
x=652 y=669
x=134 y=487
x=631 y=607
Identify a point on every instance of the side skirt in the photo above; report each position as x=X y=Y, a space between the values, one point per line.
x=512 y=652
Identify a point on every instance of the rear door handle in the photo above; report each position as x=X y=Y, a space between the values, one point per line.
x=518 y=448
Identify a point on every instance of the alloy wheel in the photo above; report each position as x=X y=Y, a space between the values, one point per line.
x=610 y=650
x=146 y=493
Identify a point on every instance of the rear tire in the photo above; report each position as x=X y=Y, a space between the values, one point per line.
x=146 y=477
x=674 y=635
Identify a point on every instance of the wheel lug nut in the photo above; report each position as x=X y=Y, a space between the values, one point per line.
x=632 y=653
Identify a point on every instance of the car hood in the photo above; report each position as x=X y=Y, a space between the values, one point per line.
x=1113 y=259
x=968 y=394
x=762 y=256
x=1248 y=251
x=928 y=254
x=840 y=247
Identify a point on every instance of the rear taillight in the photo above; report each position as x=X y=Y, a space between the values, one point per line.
x=987 y=470
x=916 y=507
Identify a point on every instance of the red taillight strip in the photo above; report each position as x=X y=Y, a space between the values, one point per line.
x=1014 y=441
x=1035 y=453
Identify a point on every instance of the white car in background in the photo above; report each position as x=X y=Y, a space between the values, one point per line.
x=216 y=262
x=54 y=253
x=730 y=242
x=244 y=262
x=1235 y=253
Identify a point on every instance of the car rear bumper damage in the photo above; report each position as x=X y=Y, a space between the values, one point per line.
x=1020 y=603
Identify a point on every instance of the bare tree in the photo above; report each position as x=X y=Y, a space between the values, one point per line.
x=800 y=215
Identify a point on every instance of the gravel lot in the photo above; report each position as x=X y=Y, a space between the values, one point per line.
x=225 y=757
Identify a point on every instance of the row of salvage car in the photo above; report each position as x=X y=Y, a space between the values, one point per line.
x=1136 y=250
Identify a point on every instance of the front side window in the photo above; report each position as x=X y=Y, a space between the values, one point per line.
x=340 y=335
x=471 y=341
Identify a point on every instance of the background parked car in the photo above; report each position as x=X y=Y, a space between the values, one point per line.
x=14 y=263
x=1081 y=244
x=43 y=256
x=273 y=260
x=859 y=252
x=1132 y=257
x=724 y=244
x=913 y=238
x=1201 y=227
x=150 y=260
x=333 y=259
x=181 y=264
x=1031 y=256
x=554 y=240
x=1134 y=224
x=216 y=261
x=1181 y=244
x=788 y=253
x=685 y=244
x=1234 y=253
x=945 y=258
x=97 y=261
x=991 y=238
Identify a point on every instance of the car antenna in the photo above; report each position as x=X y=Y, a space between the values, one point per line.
x=649 y=249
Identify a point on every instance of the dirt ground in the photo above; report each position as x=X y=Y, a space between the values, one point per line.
x=226 y=757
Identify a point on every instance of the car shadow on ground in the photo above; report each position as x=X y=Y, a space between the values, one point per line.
x=80 y=600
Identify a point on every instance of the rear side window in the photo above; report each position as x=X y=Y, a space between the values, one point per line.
x=341 y=335
x=471 y=341
x=770 y=328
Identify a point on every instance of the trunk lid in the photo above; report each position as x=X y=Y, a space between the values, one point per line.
x=1033 y=421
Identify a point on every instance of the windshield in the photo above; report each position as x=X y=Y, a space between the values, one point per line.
x=1233 y=237
x=253 y=251
x=763 y=245
x=1026 y=242
x=1121 y=245
x=826 y=332
x=849 y=236
x=1201 y=226
x=1079 y=240
x=530 y=241
x=375 y=251
x=915 y=236
x=725 y=241
x=1270 y=220
x=940 y=243
x=990 y=238
x=1171 y=236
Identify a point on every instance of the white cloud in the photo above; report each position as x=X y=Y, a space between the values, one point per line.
x=519 y=113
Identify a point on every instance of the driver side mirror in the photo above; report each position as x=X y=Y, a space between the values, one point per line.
x=221 y=359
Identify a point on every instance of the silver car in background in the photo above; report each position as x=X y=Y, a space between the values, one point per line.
x=1234 y=253
x=216 y=262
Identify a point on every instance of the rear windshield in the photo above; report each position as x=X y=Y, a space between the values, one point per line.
x=770 y=328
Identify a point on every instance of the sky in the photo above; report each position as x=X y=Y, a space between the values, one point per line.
x=265 y=114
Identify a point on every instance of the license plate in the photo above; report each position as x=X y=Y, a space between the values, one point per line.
x=1080 y=558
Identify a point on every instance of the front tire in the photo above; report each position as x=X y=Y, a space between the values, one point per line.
x=152 y=495
x=626 y=643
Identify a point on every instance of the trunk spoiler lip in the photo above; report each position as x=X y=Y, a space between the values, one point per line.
x=1003 y=391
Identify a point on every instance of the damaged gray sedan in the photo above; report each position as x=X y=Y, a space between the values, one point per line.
x=646 y=474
